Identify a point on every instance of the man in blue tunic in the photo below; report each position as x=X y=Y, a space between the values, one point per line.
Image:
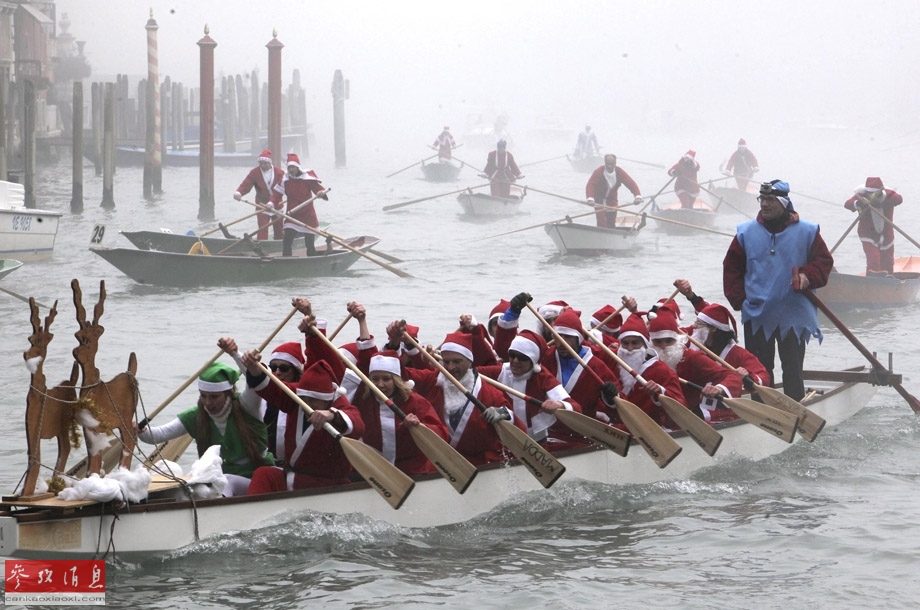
x=769 y=263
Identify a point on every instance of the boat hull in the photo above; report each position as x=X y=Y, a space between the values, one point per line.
x=587 y=240
x=699 y=216
x=7 y=266
x=586 y=165
x=482 y=205
x=736 y=200
x=845 y=292
x=197 y=270
x=440 y=172
x=163 y=526
x=27 y=234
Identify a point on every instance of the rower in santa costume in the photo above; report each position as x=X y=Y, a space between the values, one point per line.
x=263 y=178
x=603 y=187
x=685 y=184
x=298 y=186
x=875 y=233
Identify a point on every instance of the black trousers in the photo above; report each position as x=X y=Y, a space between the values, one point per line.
x=791 y=357
x=287 y=246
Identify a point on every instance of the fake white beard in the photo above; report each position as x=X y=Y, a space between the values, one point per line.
x=700 y=334
x=671 y=355
x=611 y=178
x=454 y=399
x=634 y=358
x=224 y=414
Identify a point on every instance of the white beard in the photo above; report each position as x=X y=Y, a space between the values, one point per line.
x=634 y=359
x=671 y=355
x=454 y=399
x=700 y=334
x=223 y=414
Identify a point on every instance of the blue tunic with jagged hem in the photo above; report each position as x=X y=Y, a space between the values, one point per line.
x=770 y=302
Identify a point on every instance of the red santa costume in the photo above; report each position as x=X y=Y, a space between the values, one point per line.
x=501 y=170
x=314 y=457
x=742 y=165
x=537 y=383
x=645 y=362
x=275 y=419
x=607 y=333
x=603 y=186
x=263 y=182
x=385 y=432
x=476 y=440
x=445 y=143
x=718 y=316
x=875 y=233
x=695 y=367
x=685 y=185
x=298 y=189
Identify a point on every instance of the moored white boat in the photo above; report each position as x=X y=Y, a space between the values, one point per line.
x=52 y=529
x=481 y=204
x=26 y=233
x=587 y=240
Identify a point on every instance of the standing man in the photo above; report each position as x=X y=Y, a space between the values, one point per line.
x=875 y=205
x=587 y=145
x=764 y=253
x=742 y=165
x=444 y=143
x=263 y=178
x=603 y=185
x=686 y=185
x=501 y=170
x=298 y=185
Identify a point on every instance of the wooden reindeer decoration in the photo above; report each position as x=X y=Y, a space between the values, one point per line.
x=107 y=405
x=49 y=413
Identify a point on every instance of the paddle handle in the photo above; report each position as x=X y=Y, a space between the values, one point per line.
x=453 y=380
x=610 y=317
x=511 y=391
x=562 y=342
x=340 y=327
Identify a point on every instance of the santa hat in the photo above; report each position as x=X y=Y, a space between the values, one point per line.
x=663 y=327
x=413 y=331
x=446 y=128
x=718 y=316
x=552 y=309
x=460 y=343
x=613 y=325
x=499 y=309
x=690 y=154
x=218 y=378
x=350 y=351
x=291 y=353
x=634 y=326
x=741 y=142
x=318 y=381
x=265 y=155
x=386 y=361
x=669 y=305
x=874 y=184
x=569 y=323
x=530 y=344
x=293 y=159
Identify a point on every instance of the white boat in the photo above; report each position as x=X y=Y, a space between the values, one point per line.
x=53 y=529
x=676 y=220
x=26 y=233
x=480 y=204
x=587 y=240
x=730 y=199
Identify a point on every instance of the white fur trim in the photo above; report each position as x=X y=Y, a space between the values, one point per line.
x=713 y=322
x=387 y=364
x=456 y=347
x=214 y=386
x=526 y=347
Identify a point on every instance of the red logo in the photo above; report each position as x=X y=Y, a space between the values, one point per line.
x=54 y=581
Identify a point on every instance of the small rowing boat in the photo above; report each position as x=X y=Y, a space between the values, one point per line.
x=848 y=292
x=587 y=240
x=700 y=215
x=585 y=165
x=441 y=171
x=483 y=205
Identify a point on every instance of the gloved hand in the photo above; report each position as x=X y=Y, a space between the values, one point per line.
x=609 y=392
x=237 y=196
x=494 y=415
x=638 y=199
x=520 y=301
x=591 y=200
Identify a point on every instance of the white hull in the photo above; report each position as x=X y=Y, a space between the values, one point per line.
x=695 y=217
x=586 y=240
x=165 y=526
x=27 y=234
x=478 y=204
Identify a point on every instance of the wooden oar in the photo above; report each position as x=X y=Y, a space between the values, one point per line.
x=911 y=400
x=340 y=327
x=383 y=255
x=658 y=165
x=845 y=233
x=810 y=423
x=223 y=227
x=725 y=201
x=894 y=226
x=402 y=204
x=342 y=243
x=399 y=171
x=677 y=222
x=656 y=195
x=705 y=435
x=538 y=461
x=458 y=471
x=543 y=161
x=813 y=198
x=386 y=479
x=20 y=297
x=658 y=443
x=776 y=422
x=542 y=224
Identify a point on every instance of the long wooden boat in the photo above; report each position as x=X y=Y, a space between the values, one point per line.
x=198 y=270
x=26 y=233
x=587 y=240
x=483 y=205
x=441 y=171
x=7 y=266
x=54 y=529
x=165 y=241
x=848 y=292
x=700 y=215
x=585 y=165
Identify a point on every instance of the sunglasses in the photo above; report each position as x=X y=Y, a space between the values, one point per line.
x=284 y=368
x=518 y=356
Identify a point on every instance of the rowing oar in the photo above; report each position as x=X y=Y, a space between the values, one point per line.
x=658 y=443
x=707 y=437
x=222 y=227
x=658 y=165
x=894 y=226
x=810 y=423
x=911 y=400
x=411 y=166
x=536 y=460
x=403 y=204
x=458 y=471
x=542 y=224
x=339 y=241
x=340 y=327
x=21 y=298
x=383 y=255
x=543 y=161
x=775 y=422
x=845 y=233
x=723 y=200
x=660 y=191
x=677 y=222
x=814 y=198
x=386 y=479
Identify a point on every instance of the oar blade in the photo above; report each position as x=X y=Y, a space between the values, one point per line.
x=775 y=422
x=810 y=423
x=171 y=451
x=458 y=471
x=597 y=431
x=537 y=460
x=707 y=437
x=658 y=443
x=388 y=480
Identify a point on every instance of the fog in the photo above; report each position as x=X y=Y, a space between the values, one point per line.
x=653 y=78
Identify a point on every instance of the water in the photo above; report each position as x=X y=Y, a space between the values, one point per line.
x=830 y=524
